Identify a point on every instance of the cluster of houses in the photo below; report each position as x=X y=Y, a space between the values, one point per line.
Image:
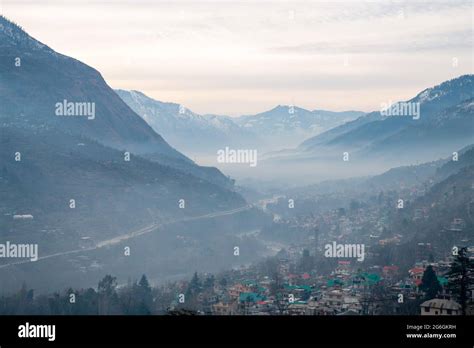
x=341 y=293
x=351 y=288
x=347 y=290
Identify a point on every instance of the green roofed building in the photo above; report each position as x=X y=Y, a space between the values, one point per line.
x=251 y=297
x=335 y=282
x=443 y=281
x=367 y=278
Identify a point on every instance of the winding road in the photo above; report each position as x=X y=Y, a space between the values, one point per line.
x=133 y=234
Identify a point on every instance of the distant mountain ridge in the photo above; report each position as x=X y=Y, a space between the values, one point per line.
x=446 y=122
x=289 y=124
x=375 y=126
x=282 y=126
x=185 y=129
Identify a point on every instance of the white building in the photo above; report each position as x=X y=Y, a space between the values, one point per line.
x=23 y=217
x=439 y=306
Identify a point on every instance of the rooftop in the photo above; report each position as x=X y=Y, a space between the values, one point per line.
x=441 y=304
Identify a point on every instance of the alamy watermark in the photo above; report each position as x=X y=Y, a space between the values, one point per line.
x=67 y=108
x=37 y=331
x=228 y=155
x=400 y=109
x=26 y=251
x=345 y=251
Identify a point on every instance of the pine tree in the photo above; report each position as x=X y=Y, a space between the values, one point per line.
x=195 y=284
x=306 y=262
x=193 y=291
x=145 y=296
x=144 y=284
x=108 y=299
x=430 y=284
x=461 y=278
x=209 y=282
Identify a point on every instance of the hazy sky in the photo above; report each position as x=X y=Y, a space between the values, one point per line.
x=241 y=57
